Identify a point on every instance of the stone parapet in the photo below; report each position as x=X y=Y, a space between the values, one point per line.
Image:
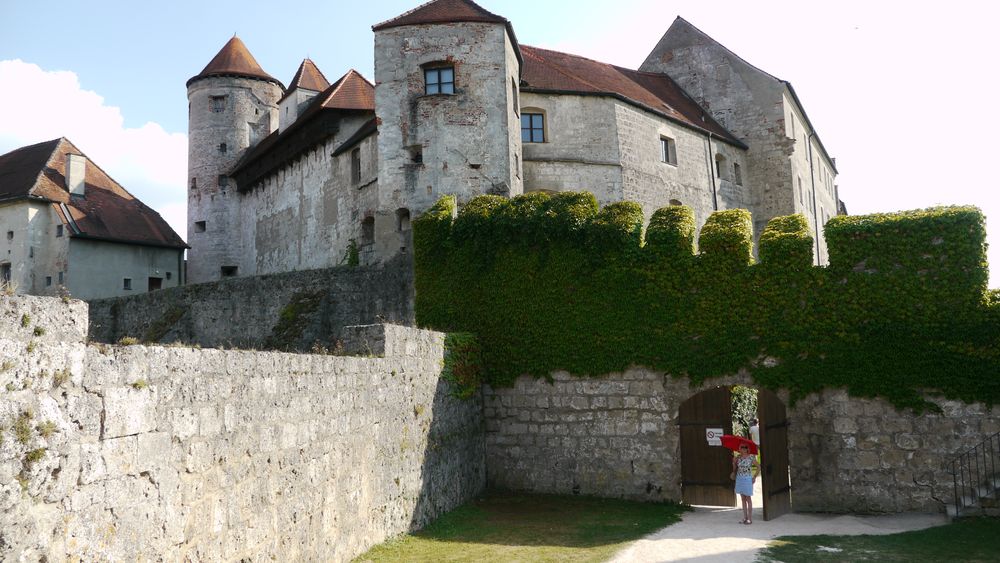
x=122 y=452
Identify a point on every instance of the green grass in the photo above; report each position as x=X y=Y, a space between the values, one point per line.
x=504 y=526
x=964 y=540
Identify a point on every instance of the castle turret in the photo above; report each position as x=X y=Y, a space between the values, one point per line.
x=232 y=104
x=447 y=78
x=305 y=85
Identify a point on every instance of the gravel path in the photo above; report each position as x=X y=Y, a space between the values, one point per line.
x=712 y=534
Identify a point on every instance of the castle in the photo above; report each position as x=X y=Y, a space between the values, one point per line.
x=306 y=176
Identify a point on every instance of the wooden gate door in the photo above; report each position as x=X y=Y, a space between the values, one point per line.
x=773 y=422
x=705 y=469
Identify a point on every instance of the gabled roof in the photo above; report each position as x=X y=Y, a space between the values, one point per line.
x=679 y=21
x=234 y=59
x=442 y=11
x=552 y=71
x=352 y=93
x=308 y=77
x=105 y=212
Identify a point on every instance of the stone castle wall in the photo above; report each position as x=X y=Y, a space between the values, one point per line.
x=114 y=452
x=304 y=215
x=249 y=312
x=618 y=436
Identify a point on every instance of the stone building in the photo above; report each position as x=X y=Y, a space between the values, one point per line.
x=312 y=175
x=67 y=224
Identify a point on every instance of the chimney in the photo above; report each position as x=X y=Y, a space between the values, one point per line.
x=76 y=170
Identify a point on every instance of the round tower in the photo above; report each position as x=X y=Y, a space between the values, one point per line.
x=232 y=105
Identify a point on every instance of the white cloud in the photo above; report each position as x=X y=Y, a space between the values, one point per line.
x=149 y=162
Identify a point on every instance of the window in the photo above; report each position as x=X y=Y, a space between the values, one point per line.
x=402 y=219
x=199 y=226
x=223 y=181
x=719 y=160
x=439 y=80
x=229 y=271
x=217 y=104
x=417 y=154
x=5 y=273
x=48 y=281
x=532 y=128
x=60 y=278
x=194 y=183
x=10 y=235
x=169 y=275
x=59 y=230
x=802 y=193
x=356 y=166
x=368 y=230
x=127 y=284
x=668 y=151
x=513 y=96
x=737 y=174
x=223 y=148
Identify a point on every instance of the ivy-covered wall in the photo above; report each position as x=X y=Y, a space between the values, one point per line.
x=549 y=283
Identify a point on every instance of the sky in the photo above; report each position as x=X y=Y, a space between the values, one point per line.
x=902 y=94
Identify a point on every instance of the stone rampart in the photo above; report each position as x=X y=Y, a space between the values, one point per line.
x=135 y=452
x=618 y=436
x=289 y=311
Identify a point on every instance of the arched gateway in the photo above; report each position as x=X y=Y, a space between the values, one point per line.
x=705 y=467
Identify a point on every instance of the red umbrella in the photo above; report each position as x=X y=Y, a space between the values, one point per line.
x=734 y=443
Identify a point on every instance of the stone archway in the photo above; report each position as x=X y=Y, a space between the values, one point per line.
x=705 y=468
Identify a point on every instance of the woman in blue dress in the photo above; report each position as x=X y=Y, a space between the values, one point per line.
x=745 y=471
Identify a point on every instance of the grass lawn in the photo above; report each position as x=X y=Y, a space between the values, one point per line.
x=504 y=526
x=964 y=540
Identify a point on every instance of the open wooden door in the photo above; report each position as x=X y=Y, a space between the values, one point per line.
x=777 y=491
x=705 y=469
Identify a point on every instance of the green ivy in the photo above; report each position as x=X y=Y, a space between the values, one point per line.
x=462 y=363
x=551 y=283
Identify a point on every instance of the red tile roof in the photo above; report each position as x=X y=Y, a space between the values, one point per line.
x=308 y=77
x=546 y=70
x=106 y=211
x=442 y=11
x=351 y=93
x=234 y=59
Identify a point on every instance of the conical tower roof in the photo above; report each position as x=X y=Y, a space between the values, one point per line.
x=308 y=77
x=234 y=60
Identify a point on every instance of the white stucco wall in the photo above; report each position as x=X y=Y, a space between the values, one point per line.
x=98 y=268
x=34 y=252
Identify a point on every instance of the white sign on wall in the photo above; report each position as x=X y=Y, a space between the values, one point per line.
x=713 y=436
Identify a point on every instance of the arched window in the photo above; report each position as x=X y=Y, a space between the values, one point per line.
x=676 y=202
x=402 y=219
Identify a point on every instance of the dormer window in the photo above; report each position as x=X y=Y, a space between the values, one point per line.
x=439 y=80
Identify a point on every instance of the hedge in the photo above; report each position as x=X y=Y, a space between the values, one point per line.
x=551 y=283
